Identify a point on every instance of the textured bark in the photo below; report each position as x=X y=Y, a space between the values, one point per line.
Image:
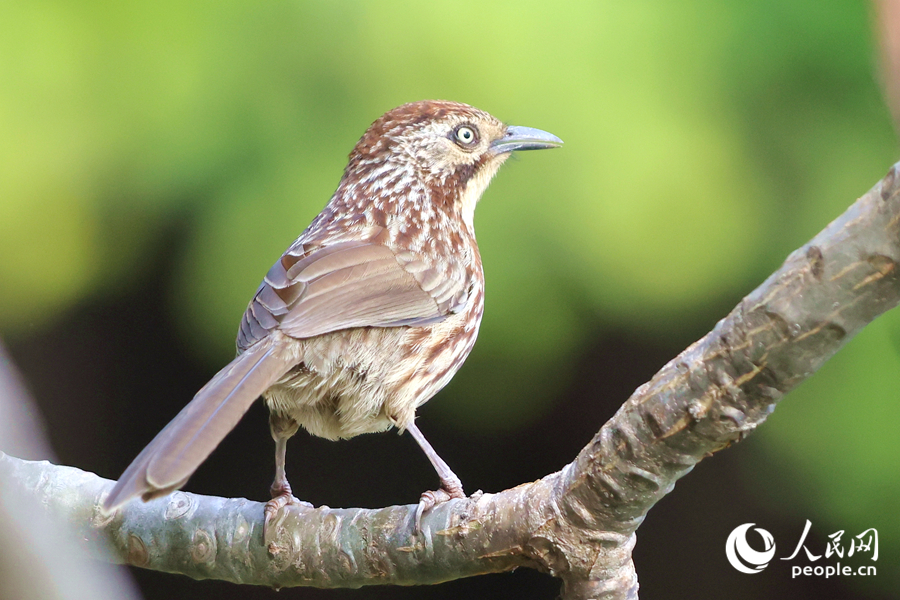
x=577 y=524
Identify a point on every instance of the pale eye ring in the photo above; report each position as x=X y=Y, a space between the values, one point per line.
x=465 y=136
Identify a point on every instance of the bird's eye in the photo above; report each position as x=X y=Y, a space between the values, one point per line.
x=465 y=136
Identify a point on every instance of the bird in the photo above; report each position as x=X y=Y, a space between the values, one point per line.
x=368 y=314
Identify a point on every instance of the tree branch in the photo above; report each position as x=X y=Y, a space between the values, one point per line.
x=38 y=556
x=577 y=524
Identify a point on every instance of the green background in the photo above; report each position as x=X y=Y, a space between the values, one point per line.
x=704 y=142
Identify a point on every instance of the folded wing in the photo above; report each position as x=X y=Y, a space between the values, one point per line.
x=311 y=292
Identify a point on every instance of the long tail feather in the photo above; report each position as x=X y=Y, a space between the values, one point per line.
x=182 y=446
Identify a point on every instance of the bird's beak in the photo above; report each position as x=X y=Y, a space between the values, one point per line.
x=525 y=138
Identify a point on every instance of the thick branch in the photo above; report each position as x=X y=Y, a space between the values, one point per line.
x=209 y=537
x=723 y=386
x=577 y=524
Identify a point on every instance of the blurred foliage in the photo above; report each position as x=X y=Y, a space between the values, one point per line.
x=704 y=141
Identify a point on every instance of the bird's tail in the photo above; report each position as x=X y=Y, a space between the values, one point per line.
x=176 y=452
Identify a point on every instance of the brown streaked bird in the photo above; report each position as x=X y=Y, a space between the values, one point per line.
x=371 y=310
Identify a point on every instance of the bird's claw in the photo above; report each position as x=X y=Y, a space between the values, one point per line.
x=428 y=500
x=272 y=508
x=279 y=502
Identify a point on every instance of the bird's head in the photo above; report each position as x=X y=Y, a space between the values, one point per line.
x=450 y=149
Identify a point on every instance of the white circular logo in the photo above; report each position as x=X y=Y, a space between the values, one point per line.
x=744 y=558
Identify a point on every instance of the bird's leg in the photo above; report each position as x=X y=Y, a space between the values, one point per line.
x=451 y=486
x=282 y=429
x=280 y=486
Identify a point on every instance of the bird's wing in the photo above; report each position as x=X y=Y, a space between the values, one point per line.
x=350 y=284
x=309 y=291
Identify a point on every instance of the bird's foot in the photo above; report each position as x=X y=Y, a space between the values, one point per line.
x=279 y=502
x=281 y=497
x=450 y=488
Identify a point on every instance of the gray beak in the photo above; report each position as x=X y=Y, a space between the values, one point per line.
x=525 y=138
